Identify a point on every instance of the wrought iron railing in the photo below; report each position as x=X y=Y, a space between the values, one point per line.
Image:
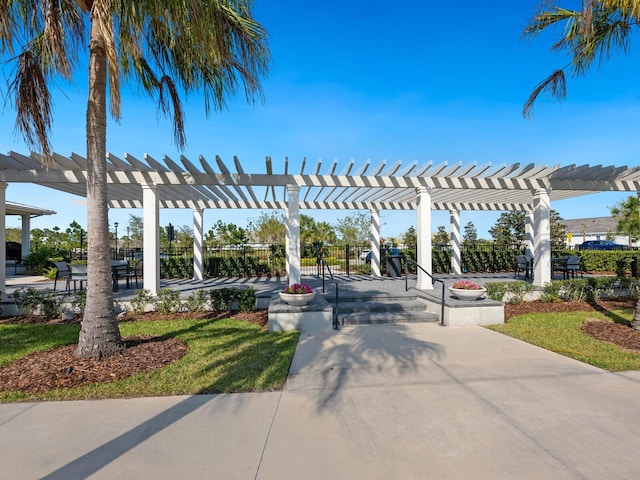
x=433 y=281
x=336 y=323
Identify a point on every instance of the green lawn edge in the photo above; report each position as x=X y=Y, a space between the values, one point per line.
x=224 y=356
x=560 y=333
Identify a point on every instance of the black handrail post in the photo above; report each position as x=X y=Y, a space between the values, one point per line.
x=322 y=276
x=347 y=259
x=442 y=307
x=433 y=281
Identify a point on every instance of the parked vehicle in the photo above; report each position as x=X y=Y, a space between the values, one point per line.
x=602 y=245
x=365 y=254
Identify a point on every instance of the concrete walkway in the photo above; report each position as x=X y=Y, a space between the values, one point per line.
x=408 y=401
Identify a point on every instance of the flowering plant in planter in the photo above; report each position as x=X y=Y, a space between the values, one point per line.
x=298 y=288
x=466 y=285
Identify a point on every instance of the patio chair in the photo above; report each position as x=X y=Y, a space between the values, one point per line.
x=523 y=264
x=574 y=264
x=78 y=273
x=133 y=273
x=63 y=272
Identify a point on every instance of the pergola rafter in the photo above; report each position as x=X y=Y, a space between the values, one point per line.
x=185 y=184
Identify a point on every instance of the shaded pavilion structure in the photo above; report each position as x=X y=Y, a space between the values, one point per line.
x=152 y=184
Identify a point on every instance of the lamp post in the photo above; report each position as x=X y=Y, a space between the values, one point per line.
x=128 y=238
x=116 y=225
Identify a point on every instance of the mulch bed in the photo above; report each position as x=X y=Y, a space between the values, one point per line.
x=58 y=368
x=616 y=333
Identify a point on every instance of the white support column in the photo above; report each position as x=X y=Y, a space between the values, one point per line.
x=375 y=243
x=151 y=238
x=293 y=234
x=542 y=239
x=456 y=257
x=424 y=238
x=529 y=234
x=26 y=235
x=3 y=236
x=198 y=244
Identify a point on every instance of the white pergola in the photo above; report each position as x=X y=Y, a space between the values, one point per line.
x=152 y=184
x=26 y=213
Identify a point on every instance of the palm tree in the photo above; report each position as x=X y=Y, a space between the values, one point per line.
x=589 y=35
x=211 y=46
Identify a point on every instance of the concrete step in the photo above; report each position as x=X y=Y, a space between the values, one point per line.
x=363 y=318
x=381 y=308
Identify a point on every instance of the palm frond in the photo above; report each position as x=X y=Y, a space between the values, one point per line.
x=32 y=103
x=167 y=105
x=554 y=84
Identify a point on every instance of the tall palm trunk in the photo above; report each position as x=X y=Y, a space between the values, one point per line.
x=99 y=337
x=636 y=316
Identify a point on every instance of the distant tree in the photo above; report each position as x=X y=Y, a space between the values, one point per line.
x=627 y=214
x=268 y=228
x=441 y=237
x=558 y=230
x=410 y=237
x=184 y=237
x=14 y=235
x=509 y=228
x=226 y=234
x=136 y=231
x=470 y=235
x=354 y=229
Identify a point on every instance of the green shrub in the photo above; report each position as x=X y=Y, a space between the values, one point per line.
x=197 y=301
x=222 y=299
x=576 y=290
x=551 y=291
x=31 y=301
x=168 y=301
x=247 y=299
x=41 y=261
x=515 y=291
x=140 y=301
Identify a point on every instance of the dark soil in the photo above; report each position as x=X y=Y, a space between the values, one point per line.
x=58 y=368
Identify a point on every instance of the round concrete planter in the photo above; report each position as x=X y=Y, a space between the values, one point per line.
x=297 y=299
x=462 y=294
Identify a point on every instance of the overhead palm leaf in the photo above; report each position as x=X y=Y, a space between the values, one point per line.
x=593 y=34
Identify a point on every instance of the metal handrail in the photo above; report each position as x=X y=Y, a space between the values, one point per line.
x=433 y=281
x=336 y=323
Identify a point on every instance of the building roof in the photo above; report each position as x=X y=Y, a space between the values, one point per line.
x=206 y=184
x=19 y=209
x=578 y=226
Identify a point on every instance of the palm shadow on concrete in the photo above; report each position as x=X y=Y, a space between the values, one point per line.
x=385 y=354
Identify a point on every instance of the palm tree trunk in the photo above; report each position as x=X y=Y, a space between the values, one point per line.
x=99 y=336
x=636 y=316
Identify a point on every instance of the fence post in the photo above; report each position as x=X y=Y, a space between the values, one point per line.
x=348 y=259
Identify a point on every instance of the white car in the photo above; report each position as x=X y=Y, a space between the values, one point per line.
x=363 y=255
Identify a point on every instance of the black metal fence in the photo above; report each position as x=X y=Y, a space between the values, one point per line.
x=260 y=259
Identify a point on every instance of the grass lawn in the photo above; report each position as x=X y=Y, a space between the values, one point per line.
x=560 y=333
x=224 y=356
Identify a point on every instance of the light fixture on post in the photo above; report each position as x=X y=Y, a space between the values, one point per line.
x=116 y=225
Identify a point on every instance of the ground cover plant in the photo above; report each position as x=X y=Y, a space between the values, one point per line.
x=187 y=354
x=597 y=333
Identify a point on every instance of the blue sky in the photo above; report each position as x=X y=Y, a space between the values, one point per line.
x=423 y=81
